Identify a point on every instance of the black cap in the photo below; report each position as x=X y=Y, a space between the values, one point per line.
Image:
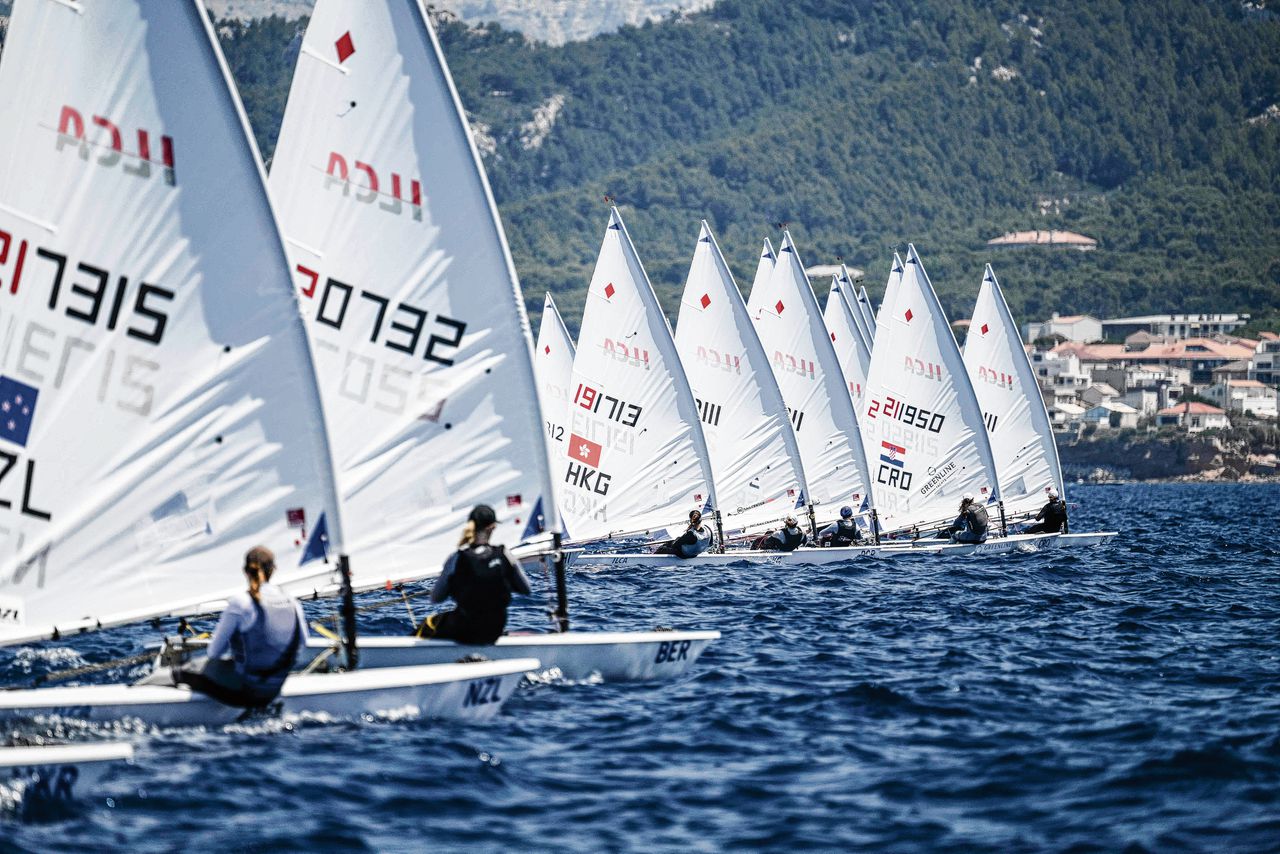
x=483 y=516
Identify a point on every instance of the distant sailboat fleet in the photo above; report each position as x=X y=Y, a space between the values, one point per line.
x=800 y=411
x=335 y=362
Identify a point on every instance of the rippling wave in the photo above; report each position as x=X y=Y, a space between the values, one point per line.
x=1118 y=698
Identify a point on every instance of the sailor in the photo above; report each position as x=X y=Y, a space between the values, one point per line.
x=263 y=628
x=842 y=532
x=788 y=539
x=1052 y=516
x=480 y=578
x=694 y=541
x=972 y=523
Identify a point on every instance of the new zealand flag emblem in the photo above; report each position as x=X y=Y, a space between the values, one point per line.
x=17 y=409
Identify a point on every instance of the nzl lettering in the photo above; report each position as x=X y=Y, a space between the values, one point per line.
x=8 y=462
x=71 y=131
x=370 y=191
x=637 y=357
x=91 y=289
x=720 y=361
x=402 y=333
x=626 y=414
x=482 y=692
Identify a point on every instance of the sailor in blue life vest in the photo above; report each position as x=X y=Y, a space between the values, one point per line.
x=694 y=541
x=788 y=539
x=1052 y=517
x=480 y=578
x=972 y=523
x=263 y=628
x=842 y=532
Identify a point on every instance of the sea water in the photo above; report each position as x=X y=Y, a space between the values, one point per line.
x=1113 y=698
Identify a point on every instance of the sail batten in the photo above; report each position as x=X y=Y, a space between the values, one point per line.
x=405 y=279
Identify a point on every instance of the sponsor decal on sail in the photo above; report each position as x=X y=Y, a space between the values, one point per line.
x=109 y=140
x=369 y=189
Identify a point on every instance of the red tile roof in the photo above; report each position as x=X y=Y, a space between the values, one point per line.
x=1192 y=408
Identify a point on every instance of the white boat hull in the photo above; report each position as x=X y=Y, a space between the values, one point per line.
x=458 y=691
x=36 y=778
x=822 y=557
x=610 y=656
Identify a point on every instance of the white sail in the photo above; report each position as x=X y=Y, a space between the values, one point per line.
x=637 y=460
x=847 y=340
x=764 y=269
x=868 y=317
x=553 y=366
x=1021 y=436
x=890 y=293
x=754 y=455
x=849 y=293
x=410 y=296
x=922 y=427
x=789 y=323
x=160 y=415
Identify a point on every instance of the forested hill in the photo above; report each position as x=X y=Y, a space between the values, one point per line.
x=1152 y=127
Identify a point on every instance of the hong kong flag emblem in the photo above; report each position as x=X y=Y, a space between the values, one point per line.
x=584 y=450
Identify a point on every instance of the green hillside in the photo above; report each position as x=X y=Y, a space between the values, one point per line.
x=866 y=124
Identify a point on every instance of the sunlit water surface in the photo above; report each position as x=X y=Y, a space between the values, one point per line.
x=1124 y=696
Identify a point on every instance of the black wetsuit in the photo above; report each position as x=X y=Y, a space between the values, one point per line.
x=481 y=579
x=786 y=540
x=1052 y=518
x=971 y=525
x=691 y=543
x=842 y=532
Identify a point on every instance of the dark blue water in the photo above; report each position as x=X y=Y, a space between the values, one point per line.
x=1126 y=697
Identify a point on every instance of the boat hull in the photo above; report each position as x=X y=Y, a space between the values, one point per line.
x=821 y=557
x=473 y=691
x=42 y=778
x=610 y=656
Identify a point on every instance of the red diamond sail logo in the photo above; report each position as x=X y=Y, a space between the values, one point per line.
x=909 y=315
x=779 y=307
x=345 y=47
x=833 y=336
x=984 y=329
x=546 y=348
x=609 y=290
x=706 y=300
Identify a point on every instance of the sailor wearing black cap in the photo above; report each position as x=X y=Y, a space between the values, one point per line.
x=480 y=578
x=842 y=532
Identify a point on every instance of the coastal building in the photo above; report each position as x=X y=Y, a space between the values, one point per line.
x=1066 y=416
x=1111 y=415
x=1043 y=239
x=1193 y=416
x=1073 y=327
x=1198 y=356
x=1146 y=401
x=1264 y=364
x=1244 y=396
x=1097 y=394
x=1173 y=325
x=1060 y=370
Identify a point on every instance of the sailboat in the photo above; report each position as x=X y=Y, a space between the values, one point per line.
x=754 y=456
x=1026 y=455
x=923 y=424
x=162 y=412
x=553 y=367
x=35 y=779
x=863 y=306
x=637 y=461
x=847 y=339
x=890 y=294
x=429 y=385
x=790 y=326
